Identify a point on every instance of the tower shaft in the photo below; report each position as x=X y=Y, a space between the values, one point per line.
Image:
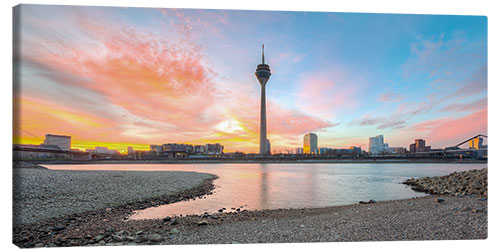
x=263 y=120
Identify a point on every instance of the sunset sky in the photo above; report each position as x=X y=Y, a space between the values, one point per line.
x=121 y=77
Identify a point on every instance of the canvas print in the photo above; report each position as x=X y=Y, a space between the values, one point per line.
x=161 y=126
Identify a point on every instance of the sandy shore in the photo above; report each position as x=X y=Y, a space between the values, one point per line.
x=426 y=218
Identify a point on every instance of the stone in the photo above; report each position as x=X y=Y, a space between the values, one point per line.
x=117 y=238
x=174 y=231
x=99 y=237
x=174 y=222
x=167 y=219
x=59 y=228
x=302 y=226
x=130 y=238
x=155 y=238
x=138 y=232
x=221 y=210
x=202 y=222
x=39 y=245
x=439 y=200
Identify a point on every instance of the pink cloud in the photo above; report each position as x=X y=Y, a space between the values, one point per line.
x=450 y=131
x=320 y=94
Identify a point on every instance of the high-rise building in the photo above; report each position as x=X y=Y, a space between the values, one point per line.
x=310 y=143
x=476 y=143
x=62 y=141
x=377 y=146
x=419 y=146
x=268 y=147
x=263 y=73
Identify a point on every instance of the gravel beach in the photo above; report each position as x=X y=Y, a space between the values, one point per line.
x=41 y=194
x=434 y=217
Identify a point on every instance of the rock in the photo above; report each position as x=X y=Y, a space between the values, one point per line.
x=439 y=200
x=372 y=201
x=138 y=232
x=99 y=238
x=235 y=242
x=39 y=245
x=174 y=231
x=59 y=228
x=117 y=238
x=220 y=210
x=130 y=238
x=215 y=217
x=102 y=242
x=174 y=222
x=202 y=222
x=155 y=238
x=302 y=226
x=166 y=219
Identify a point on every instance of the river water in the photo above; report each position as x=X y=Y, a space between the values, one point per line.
x=271 y=186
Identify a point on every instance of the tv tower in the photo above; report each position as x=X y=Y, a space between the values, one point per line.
x=263 y=73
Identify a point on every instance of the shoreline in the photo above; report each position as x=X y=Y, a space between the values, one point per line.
x=108 y=228
x=315 y=161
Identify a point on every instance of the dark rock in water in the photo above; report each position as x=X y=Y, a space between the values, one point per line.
x=221 y=210
x=439 y=200
x=167 y=219
x=367 y=202
x=238 y=209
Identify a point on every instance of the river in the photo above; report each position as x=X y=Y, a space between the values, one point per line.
x=272 y=186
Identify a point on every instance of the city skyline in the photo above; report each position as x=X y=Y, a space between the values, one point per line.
x=120 y=77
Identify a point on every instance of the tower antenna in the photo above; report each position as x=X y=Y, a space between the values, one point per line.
x=262 y=53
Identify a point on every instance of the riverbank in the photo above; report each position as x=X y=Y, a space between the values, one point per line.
x=277 y=161
x=426 y=218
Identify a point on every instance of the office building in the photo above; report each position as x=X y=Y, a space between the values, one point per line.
x=310 y=143
x=377 y=146
x=62 y=141
x=476 y=143
x=419 y=146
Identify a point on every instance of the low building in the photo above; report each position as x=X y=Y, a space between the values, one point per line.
x=62 y=141
x=46 y=152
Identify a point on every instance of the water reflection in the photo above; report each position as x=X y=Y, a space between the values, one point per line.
x=271 y=186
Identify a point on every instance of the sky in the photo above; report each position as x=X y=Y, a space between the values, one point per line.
x=118 y=77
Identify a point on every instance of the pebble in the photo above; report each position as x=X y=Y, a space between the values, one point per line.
x=202 y=222
x=155 y=238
